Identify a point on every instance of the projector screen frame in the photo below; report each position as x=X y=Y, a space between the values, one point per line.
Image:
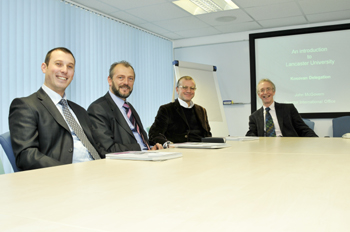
x=255 y=36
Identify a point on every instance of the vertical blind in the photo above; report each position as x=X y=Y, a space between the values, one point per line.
x=30 y=28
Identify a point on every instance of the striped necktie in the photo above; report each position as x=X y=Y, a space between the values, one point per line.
x=133 y=122
x=270 y=127
x=78 y=130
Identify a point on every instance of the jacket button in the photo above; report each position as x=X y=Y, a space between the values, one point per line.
x=186 y=136
x=70 y=150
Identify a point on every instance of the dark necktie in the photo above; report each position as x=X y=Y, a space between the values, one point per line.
x=270 y=127
x=78 y=130
x=133 y=122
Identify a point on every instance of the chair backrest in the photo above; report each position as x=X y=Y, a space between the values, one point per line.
x=5 y=141
x=341 y=126
x=310 y=123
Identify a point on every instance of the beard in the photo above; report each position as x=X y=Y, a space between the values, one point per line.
x=118 y=93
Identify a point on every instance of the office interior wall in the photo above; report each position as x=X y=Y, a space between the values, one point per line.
x=29 y=29
x=230 y=53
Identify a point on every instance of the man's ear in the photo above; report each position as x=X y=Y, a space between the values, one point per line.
x=43 y=67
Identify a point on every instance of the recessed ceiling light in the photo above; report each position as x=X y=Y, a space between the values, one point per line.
x=196 y=7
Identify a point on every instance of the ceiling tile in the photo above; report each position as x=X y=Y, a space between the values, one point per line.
x=127 y=18
x=206 y=31
x=324 y=17
x=130 y=4
x=239 y=27
x=316 y=6
x=210 y=19
x=251 y=3
x=282 y=22
x=99 y=6
x=185 y=23
x=159 y=12
x=274 y=11
x=154 y=28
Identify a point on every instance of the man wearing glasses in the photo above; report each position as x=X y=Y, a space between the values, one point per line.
x=275 y=119
x=182 y=120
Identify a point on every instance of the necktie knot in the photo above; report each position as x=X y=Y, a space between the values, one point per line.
x=63 y=102
x=267 y=109
x=126 y=106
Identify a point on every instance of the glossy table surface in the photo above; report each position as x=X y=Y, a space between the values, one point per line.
x=270 y=184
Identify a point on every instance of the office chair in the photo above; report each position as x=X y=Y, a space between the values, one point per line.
x=5 y=141
x=310 y=123
x=341 y=126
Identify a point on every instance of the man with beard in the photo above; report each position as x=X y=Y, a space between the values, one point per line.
x=116 y=124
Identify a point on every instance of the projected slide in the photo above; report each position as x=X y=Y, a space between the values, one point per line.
x=311 y=70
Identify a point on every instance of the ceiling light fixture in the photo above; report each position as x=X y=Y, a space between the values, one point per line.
x=205 y=6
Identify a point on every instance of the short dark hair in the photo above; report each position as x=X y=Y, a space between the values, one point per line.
x=63 y=49
x=123 y=62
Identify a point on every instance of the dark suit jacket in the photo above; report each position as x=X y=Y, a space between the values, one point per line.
x=171 y=123
x=39 y=134
x=112 y=131
x=289 y=120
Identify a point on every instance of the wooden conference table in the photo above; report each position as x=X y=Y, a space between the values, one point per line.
x=270 y=184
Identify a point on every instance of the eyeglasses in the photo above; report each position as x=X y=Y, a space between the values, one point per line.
x=265 y=90
x=187 y=87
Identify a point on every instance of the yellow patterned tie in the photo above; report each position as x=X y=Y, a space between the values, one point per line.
x=270 y=127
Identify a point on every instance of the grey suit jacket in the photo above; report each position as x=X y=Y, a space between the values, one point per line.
x=40 y=136
x=112 y=131
x=289 y=120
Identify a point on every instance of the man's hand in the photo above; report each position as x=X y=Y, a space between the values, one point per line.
x=157 y=147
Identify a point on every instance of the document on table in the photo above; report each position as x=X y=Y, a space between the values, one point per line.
x=242 y=138
x=200 y=145
x=144 y=155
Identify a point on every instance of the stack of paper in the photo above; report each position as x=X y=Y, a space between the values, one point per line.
x=200 y=145
x=144 y=155
x=244 y=138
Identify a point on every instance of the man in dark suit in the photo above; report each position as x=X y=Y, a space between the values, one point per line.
x=41 y=135
x=116 y=124
x=275 y=119
x=182 y=120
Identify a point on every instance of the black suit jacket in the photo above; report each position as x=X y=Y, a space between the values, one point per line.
x=289 y=120
x=39 y=134
x=110 y=128
x=171 y=123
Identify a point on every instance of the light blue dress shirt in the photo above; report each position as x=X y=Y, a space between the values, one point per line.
x=120 y=102
x=80 y=153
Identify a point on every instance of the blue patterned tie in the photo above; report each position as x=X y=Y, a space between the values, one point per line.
x=78 y=130
x=270 y=127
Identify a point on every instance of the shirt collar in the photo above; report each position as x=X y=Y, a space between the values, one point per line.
x=184 y=104
x=55 y=97
x=117 y=100
x=272 y=106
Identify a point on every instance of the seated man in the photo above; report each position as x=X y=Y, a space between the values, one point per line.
x=116 y=124
x=182 y=120
x=276 y=119
x=46 y=129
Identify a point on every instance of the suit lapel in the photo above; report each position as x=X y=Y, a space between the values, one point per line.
x=51 y=108
x=260 y=120
x=117 y=114
x=138 y=121
x=200 y=116
x=279 y=114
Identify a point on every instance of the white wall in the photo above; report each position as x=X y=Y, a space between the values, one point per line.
x=230 y=53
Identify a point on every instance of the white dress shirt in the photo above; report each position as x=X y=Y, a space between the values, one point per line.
x=274 y=118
